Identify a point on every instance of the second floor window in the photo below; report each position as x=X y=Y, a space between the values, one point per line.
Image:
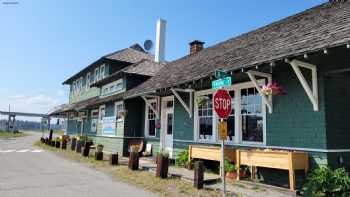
x=102 y=71
x=87 y=81
x=97 y=74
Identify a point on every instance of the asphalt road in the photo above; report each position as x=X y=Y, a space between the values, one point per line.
x=26 y=171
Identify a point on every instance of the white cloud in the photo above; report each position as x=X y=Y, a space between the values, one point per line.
x=40 y=103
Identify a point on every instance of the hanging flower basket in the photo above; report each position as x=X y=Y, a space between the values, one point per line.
x=273 y=89
x=122 y=114
x=157 y=125
x=201 y=100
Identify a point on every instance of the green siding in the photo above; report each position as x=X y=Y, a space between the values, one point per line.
x=135 y=116
x=183 y=124
x=293 y=122
x=111 y=144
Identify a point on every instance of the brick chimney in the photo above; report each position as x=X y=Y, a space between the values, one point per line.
x=196 y=46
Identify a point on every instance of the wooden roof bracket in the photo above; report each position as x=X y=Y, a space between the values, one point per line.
x=266 y=99
x=312 y=94
x=187 y=107
x=148 y=104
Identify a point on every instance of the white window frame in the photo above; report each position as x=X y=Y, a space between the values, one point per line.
x=146 y=119
x=237 y=139
x=100 y=112
x=94 y=117
x=102 y=70
x=116 y=112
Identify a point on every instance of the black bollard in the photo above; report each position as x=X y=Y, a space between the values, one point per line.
x=114 y=159
x=64 y=143
x=74 y=143
x=198 y=174
x=78 y=147
x=86 y=149
x=50 y=136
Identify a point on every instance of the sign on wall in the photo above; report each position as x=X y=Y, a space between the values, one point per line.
x=220 y=83
x=108 y=125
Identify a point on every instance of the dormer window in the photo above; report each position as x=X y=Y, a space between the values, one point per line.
x=97 y=74
x=87 y=81
x=102 y=71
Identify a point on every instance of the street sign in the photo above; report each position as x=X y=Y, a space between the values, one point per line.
x=223 y=130
x=222 y=103
x=220 y=83
x=220 y=73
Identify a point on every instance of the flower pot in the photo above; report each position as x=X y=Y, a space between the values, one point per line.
x=233 y=175
x=162 y=166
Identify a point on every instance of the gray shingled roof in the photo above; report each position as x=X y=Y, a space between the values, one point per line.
x=133 y=54
x=326 y=25
x=74 y=106
x=144 y=67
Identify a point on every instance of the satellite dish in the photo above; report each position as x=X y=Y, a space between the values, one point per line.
x=148 y=44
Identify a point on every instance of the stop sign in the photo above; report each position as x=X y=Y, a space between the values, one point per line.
x=222 y=103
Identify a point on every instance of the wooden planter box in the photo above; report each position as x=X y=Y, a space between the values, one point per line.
x=210 y=153
x=284 y=160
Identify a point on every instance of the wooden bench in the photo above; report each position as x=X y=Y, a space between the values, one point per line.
x=210 y=153
x=284 y=160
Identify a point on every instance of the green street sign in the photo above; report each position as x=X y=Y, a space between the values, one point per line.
x=220 y=73
x=220 y=83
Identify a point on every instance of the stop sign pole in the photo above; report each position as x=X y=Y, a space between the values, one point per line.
x=222 y=106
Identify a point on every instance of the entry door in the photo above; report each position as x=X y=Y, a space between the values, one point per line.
x=168 y=124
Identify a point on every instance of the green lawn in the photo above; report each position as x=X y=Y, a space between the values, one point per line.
x=5 y=134
x=144 y=179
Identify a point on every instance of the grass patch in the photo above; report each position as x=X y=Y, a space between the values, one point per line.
x=6 y=134
x=144 y=179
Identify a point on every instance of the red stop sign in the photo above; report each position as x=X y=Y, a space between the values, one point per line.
x=222 y=103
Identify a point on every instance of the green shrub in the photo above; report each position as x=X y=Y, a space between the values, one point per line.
x=328 y=183
x=228 y=166
x=182 y=159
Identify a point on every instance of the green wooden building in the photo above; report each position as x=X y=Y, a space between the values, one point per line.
x=96 y=107
x=307 y=54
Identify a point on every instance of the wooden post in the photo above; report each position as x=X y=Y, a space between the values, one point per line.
x=133 y=161
x=58 y=144
x=291 y=173
x=50 y=136
x=78 y=148
x=64 y=143
x=198 y=174
x=114 y=159
x=99 y=156
x=238 y=163
x=73 y=144
x=86 y=149
x=162 y=166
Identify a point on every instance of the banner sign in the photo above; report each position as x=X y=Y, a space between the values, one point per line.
x=108 y=125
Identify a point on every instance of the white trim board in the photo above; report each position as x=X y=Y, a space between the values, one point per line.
x=270 y=147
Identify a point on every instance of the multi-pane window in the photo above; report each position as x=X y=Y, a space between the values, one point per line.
x=119 y=111
x=87 y=81
x=252 y=116
x=231 y=119
x=151 y=120
x=205 y=117
x=114 y=87
x=94 y=120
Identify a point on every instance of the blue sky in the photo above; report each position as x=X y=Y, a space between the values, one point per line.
x=42 y=43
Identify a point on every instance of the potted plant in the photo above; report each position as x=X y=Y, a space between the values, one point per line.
x=230 y=169
x=162 y=165
x=273 y=89
x=201 y=100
